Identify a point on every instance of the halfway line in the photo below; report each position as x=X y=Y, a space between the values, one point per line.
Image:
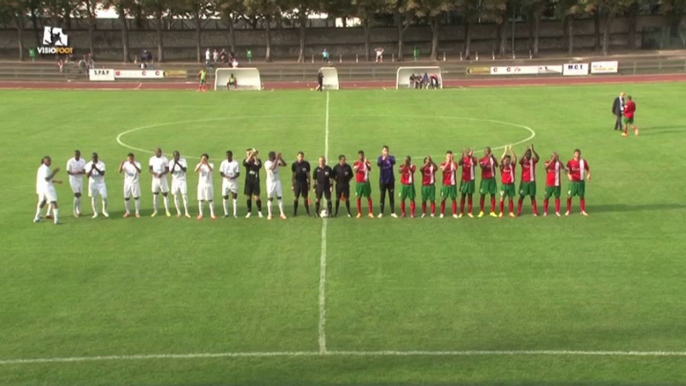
x=322 y=256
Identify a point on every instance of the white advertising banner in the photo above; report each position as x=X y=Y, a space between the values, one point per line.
x=575 y=69
x=101 y=75
x=604 y=67
x=515 y=70
x=556 y=69
x=139 y=74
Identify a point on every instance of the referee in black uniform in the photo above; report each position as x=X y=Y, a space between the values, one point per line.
x=342 y=174
x=252 y=166
x=323 y=182
x=301 y=182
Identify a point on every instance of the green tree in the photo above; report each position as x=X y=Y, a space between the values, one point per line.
x=157 y=9
x=471 y=10
x=365 y=10
x=402 y=16
x=231 y=11
x=301 y=10
x=122 y=7
x=569 y=10
x=13 y=11
x=433 y=11
x=268 y=11
x=534 y=11
x=607 y=10
x=199 y=11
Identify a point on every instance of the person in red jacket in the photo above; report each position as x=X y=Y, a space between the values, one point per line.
x=629 y=112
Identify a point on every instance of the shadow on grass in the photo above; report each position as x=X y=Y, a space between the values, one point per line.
x=620 y=208
x=660 y=130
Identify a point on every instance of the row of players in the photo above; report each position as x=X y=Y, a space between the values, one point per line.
x=324 y=179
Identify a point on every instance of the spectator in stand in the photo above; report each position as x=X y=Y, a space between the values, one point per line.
x=325 y=55
x=379 y=54
x=208 y=54
x=234 y=63
x=223 y=57
x=425 y=81
x=418 y=81
x=412 y=81
x=143 y=66
x=215 y=56
x=434 y=81
x=60 y=65
x=83 y=65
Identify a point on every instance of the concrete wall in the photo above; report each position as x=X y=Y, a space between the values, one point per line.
x=180 y=45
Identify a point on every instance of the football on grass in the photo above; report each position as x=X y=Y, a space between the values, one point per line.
x=323 y=213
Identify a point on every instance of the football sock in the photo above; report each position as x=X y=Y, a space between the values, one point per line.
x=235 y=206
x=48 y=211
x=557 y=205
x=249 y=202
x=269 y=207
x=185 y=203
x=94 y=205
x=424 y=207
x=316 y=207
x=338 y=205
x=482 y=203
x=56 y=212
x=442 y=207
x=569 y=205
x=38 y=210
x=295 y=207
x=383 y=201
x=176 y=203
x=471 y=203
x=433 y=207
x=391 y=199
x=127 y=205
x=371 y=207
x=155 y=202
x=225 y=204
x=200 y=203
x=359 y=206
x=583 y=205
x=104 y=205
x=502 y=206
x=462 y=205
x=545 y=205
x=165 y=199
x=137 y=204
x=533 y=203
x=492 y=203
x=259 y=205
x=347 y=206
x=519 y=206
x=511 y=206
x=402 y=208
x=454 y=207
x=413 y=208
x=307 y=206
x=281 y=206
x=328 y=206
x=211 y=203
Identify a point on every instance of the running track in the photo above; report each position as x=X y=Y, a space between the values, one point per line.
x=475 y=81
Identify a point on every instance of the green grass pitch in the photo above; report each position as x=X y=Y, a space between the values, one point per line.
x=611 y=282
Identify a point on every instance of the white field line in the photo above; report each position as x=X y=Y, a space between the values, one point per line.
x=322 y=256
x=289 y=354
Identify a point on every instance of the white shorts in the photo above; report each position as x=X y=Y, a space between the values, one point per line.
x=229 y=187
x=76 y=184
x=96 y=189
x=179 y=187
x=132 y=190
x=274 y=190
x=205 y=193
x=48 y=195
x=160 y=185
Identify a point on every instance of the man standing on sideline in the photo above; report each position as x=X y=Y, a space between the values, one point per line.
x=274 y=188
x=205 y=185
x=252 y=166
x=301 y=182
x=578 y=172
x=407 y=189
x=46 y=190
x=320 y=81
x=132 y=184
x=629 y=111
x=159 y=167
x=554 y=169
x=468 y=182
x=527 y=186
x=449 y=188
x=429 y=185
x=618 y=110
x=342 y=174
x=229 y=170
x=323 y=184
x=488 y=184
x=363 y=188
x=95 y=171
x=385 y=162
x=76 y=168
x=178 y=168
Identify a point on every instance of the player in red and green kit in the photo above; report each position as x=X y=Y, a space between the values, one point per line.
x=553 y=186
x=363 y=188
x=527 y=185
x=508 y=164
x=407 y=186
x=578 y=172
x=629 y=112
x=449 y=188
x=488 y=184
x=429 y=185
x=468 y=182
x=202 y=75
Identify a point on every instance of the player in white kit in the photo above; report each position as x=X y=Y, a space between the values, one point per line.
x=46 y=190
x=274 y=188
x=159 y=167
x=132 y=183
x=230 y=171
x=205 y=185
x=95 y=171
x=178 y=168
x=76 y=169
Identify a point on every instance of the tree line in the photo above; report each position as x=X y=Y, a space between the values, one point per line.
x=400 y=13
